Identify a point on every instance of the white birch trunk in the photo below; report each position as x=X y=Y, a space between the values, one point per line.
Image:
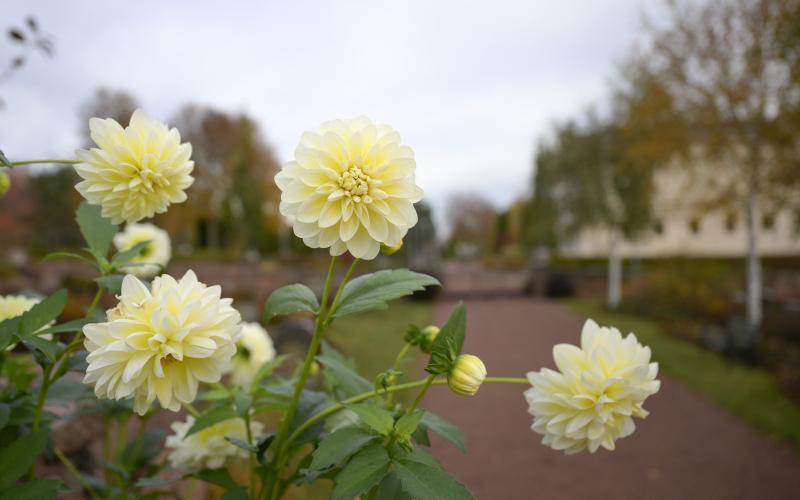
x=614 y=294
x=754 y=284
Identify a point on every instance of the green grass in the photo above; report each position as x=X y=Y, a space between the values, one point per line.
x=750 y=392
x=373 y=339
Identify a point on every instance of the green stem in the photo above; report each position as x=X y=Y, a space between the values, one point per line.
x=396 y=388
x=37 y=415
x=191 y=409
x=252 y=458
x=306 y=369
x=425 y=387
x=335 y=303
x=75 y=472
x=45 y=161
x=395 y=367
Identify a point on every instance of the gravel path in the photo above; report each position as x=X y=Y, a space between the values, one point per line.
x=687 y=448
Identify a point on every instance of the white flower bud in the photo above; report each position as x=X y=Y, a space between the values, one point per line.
x=466 y=375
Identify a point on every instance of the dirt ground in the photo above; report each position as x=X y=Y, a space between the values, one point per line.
x=688 y=448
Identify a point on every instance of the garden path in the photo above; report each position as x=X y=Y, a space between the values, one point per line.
x=687 y=448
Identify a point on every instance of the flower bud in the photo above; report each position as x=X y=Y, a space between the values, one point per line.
x=5 y=183
x=389 y=250
x=314 y=370
x=466 y=375
x=429 y=334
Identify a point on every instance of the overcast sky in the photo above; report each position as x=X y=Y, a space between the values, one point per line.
x=469 y=85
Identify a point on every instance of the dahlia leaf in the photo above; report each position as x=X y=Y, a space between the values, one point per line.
x=391 y=489
x=372 y=291
x=407 y=424
x=445 y=429
x=112 y=283
x=17 y=458
x=96 y=229
x=448 y=343
x=39 y=489
x=422 y=477
x=346 y=379
x=339 y=445
x=290 y=299
x=125 y=256
x=362 y=472
x=375 y=417
x=42 y=313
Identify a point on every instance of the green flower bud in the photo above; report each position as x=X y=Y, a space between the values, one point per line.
x=466 y=375
x=5 y=183
x=314 y=369
x=429 y=334
x=389 y=250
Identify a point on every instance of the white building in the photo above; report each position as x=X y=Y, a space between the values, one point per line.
x=682 y=229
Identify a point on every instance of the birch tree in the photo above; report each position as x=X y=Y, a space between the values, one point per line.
x=720 y=76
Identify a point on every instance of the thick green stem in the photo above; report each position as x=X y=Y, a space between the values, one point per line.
x=335 y=303
x=306 y=369
x=43 y=162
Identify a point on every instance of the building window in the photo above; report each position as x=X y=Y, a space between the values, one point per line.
x=730 y=222
x=694 y=225
x=658 y=227
x=768 y=222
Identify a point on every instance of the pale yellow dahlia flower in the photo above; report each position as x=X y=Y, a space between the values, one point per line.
x=135 y=172
x=253 y=349
x=155 y=255
x=208 y=448
x=591 y=401
x=161 y=343
x=12 y=306
x=350 y=187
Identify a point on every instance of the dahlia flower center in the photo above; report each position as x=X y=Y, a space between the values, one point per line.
x=356 y=184
x=168 y=359
x=148 y=180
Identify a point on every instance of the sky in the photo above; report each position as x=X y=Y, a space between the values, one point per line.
x=471 y=86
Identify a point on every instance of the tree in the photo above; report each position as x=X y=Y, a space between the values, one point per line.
x=472 y=220
x=722 y=78
x=584 y=180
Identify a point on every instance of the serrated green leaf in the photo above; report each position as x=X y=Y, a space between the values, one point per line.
x=449 y=342
x=362 y=472
x=75 y=325
x=211 y=417
x=47 y=348
x=18 y=457
x=290 y=299
x=96 y=230
x=372 y=291
x=311 y=403
x=375 y=417
x=391 y=489
x=67 y=255
x=42 y=313
x=339 y=445
x=65 y=391
x=127 y=255
x=220 y=477
x=38 y=489
x=444 y=429
x=425 y=481
x=346 y=379
x=112 y=283
x=407 y=424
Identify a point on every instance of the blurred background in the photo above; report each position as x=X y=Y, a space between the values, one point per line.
x=633 y=161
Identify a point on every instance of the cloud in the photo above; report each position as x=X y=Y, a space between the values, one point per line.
x=470 y=85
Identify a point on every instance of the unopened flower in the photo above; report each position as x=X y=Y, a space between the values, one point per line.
x=253 y=349
x=391 y=250
x=599 y=387
x=350 y=187
x=208 y=448
x=12 y=306
x=154 y=256
x=429 y=334
x=135 y=172
x=466 y=375
x=161 y=343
